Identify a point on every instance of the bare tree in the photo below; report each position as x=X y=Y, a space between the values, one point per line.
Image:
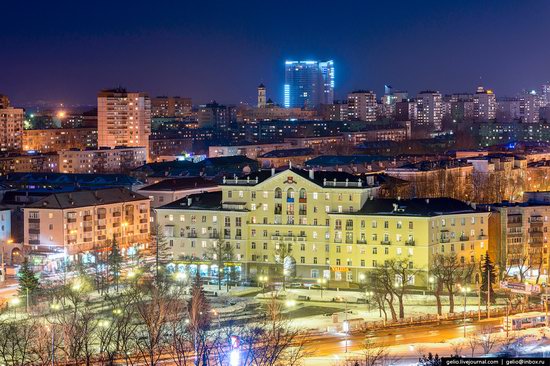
x=282 y=252
x=451 y=272
x=383 y=285
x=402 y=272
x=487 y=339
x=371 y=355
x=219 y=254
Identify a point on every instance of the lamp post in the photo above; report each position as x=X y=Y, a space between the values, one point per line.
x=263 y=280
x=431 y=280
x=55 y=306
x=321 y=282
x=464 y=290
x=15 y=302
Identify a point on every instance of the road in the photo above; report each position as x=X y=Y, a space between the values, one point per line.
x=331 y=344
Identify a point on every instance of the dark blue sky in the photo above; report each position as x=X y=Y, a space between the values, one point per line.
x=68 y=50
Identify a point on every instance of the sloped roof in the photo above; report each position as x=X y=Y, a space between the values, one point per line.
x=179 y=184
x=87 y=198
x=414 y=207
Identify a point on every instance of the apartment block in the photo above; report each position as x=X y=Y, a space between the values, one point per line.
x=57 y=139
x=80 y=225
x=104 y=160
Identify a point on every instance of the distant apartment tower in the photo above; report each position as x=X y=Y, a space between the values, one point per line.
x=171 y=107
x=214 y=115
x=262 y=96
x=337 y=111
x=11 y=128
x=485 y=105
x=545 y=94
x=529 y=107
x=308 y=84
x=429 y=109
x=508 y=109
x=362 y=106
x=405 y=110
x=124 y=119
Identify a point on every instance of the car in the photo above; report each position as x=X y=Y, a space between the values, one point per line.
x=295 y=285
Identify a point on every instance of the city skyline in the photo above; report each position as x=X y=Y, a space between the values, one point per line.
x=189 y=54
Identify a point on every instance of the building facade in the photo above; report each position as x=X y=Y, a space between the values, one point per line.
x=362 y=106
x=83 y=224
x=104 y=160
x=11 y=128
x=57 y=139
x=308 y=84
x=307 y=225
x=124 y=119
x=429 y=109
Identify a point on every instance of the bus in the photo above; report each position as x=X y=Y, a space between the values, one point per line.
x=532 y=319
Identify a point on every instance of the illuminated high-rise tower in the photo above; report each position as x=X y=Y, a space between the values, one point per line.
x=308 y=84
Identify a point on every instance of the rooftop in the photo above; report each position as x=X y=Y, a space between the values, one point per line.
x=87 y=198
x=415 y=207
x=180 y=184
x=288 y=153
x=200 y=201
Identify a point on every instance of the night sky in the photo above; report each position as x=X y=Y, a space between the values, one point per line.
x=65 y=51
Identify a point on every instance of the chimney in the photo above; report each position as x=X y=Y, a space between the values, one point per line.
x=272 y=171
x=311 y=174
x=189 y=201
x=427 y=201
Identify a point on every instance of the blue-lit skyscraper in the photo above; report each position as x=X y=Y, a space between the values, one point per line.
x=308 y=83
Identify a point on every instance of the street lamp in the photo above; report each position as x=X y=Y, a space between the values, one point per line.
x=431 y=280
x=464 y=290
x=180 y=276
x=15 y=303
x=263 y=280
x=321 y=282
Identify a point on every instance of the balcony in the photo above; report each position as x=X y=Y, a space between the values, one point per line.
x=143 y=211
x=385 y=242
x=238 y=237
x=71 y=220
x=87 y=217
x=445 y=240
x=464 y=238
x=361 y=242
x=87 y=229
x=410 y=243
x=34 y=221
x=275 y=237
x=34 y=242
x=302 y=200
x=34 y=231
x=349 y=228
x=101 y=227
x=192 y=235
x=482 y=237
x=213 y=236
x=101 y=216
x=143 y=221
x=117 y=214
x=143 y=231
x=338 y=240
x=302 y=212
x=226 y=236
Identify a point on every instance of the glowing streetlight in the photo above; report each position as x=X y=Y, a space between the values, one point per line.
x=321 y=282
x=290 y=303
x=263 y=280
x=15 y=303
x=180 y=276
x=465 y=290
x=117 y=311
